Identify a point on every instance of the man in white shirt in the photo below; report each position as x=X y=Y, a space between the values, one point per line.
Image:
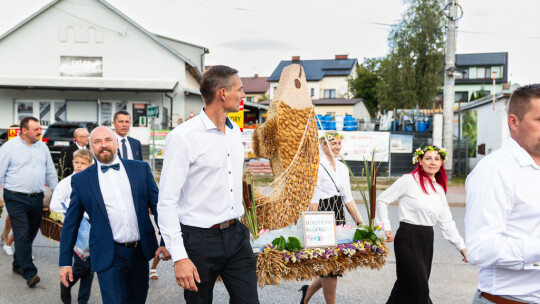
x=502 y=222
x=200 y=197
x=128 y=147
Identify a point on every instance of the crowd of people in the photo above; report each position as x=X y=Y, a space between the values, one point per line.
x=109 y=194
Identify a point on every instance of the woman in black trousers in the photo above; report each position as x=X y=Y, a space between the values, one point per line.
x=422 y=203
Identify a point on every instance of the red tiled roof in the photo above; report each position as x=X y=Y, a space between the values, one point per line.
x=255 y=84
x=329 y=101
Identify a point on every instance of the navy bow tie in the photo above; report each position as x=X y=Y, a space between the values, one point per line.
x=116 y=167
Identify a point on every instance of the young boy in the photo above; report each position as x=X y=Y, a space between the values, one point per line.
x=82 y=159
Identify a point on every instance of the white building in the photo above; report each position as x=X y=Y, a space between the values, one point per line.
x=83 y=60
x=485 y=123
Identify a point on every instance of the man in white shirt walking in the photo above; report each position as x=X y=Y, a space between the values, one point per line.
x=502 y=222
x=200 y=197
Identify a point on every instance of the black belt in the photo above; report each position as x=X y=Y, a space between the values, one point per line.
x=24 y=194
x=129 y=244
x=224 y=224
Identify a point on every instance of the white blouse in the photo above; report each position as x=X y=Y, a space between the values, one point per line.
x=325 y=188
x=419 y=208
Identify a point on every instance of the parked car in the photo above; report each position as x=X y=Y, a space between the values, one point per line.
x=3 y=136
x=60 y=135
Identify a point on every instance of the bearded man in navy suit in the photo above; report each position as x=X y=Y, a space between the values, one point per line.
x=116 y=193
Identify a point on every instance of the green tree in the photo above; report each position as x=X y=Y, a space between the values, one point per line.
x=411 y=72
x=364 y=83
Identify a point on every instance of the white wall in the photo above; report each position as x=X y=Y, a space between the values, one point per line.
x=492 y=127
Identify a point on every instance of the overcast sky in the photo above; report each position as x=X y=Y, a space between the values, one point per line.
x=254 y=35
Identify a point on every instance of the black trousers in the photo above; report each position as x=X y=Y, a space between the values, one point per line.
x=413 y=247
x=25 y=215
x=126 y=281
x=81 y=270
x=224 y=252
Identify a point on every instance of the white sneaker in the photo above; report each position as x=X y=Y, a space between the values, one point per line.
x=8 y=250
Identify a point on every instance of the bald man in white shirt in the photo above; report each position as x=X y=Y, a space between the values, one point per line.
x=200 y=198
x=502 y=222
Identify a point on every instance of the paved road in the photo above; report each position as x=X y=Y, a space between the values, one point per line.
x=452 y=281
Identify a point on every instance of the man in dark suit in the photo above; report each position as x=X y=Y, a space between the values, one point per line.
x=128 y=147
x=80 y=140
x=116 y=193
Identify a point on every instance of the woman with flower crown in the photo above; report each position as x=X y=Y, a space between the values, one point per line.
x=332 y=193
x=422 y=203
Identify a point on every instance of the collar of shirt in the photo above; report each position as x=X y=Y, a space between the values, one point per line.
x=209 y=124
x=25 y=143
x=78 y=147
x=120 y=137
x=521 y=155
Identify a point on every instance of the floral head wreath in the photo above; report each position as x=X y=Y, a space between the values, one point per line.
x=330 y=136
x=423 y=149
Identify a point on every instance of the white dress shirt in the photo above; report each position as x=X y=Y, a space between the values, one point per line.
x=418 y=208
x=502 y=223
x=201 y=179
x=128 y=146
x=62 y=196
x=116 y=191
x=325 y=187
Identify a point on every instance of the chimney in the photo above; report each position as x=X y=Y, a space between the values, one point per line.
x=295 y=58
x=256 y=75
x=339 y=57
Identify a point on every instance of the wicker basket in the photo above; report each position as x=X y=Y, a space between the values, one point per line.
x=50 y=229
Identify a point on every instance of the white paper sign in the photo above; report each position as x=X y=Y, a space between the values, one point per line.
x=319 y=229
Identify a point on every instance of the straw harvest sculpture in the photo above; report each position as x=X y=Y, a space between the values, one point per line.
x=289 y=140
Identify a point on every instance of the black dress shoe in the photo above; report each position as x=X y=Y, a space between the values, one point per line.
x=33 y=281
x=17 y=270
x=303 y=290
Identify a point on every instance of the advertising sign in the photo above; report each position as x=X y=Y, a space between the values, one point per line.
x=238 y=117
x=359 y=145
x=76 y=66
x=401 y=143
x=160 y=143
x=319 y=229
x=13 y=132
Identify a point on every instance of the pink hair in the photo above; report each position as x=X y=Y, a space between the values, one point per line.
x=440 y=178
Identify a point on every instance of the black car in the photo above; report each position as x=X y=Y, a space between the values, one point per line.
x=3 y=136
x=60 y=135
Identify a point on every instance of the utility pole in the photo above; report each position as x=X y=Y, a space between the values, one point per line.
x=449 y=89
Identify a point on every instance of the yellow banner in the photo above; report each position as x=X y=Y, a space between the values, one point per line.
x=238 y=117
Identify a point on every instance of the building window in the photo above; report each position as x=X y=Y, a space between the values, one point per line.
x=485 y=73
x=249 y=99
x=44 y=113
x=312 y=92
x=329 y=93
x=24 y=109
x=463 y=74
x=480 y=73
x=462 y=96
